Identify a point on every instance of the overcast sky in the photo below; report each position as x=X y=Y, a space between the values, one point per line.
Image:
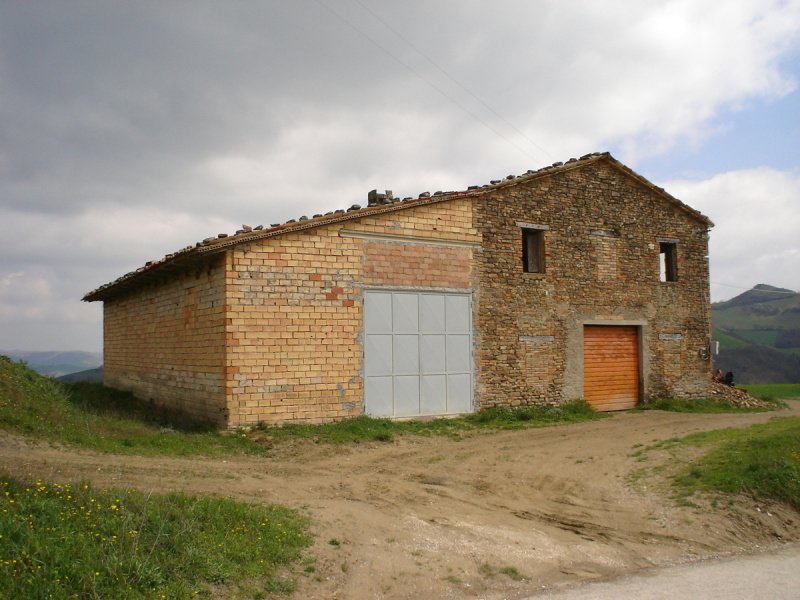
x=131 y=129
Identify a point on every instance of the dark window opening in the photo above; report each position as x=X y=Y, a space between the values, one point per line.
x=533 y=251
x=668 y=261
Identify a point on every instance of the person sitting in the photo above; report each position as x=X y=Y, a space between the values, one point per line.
x=719 y=376
x=728 y=378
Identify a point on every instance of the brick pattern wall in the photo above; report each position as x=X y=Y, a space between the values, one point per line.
x=539 y=368
x=405 y=265
x=293 y=332
x=166 y=343
x=672 y=353
x=602 y=265
x=605 y=252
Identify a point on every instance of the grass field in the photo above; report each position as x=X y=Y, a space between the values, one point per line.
x=74 y=541
x=367 y=429
x=92 y=416
x=775 y=391
x=762 y=461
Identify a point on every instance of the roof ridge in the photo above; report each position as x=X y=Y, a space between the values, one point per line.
x=248 y=234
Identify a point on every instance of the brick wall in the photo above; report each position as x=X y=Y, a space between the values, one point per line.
x=602 y=266
x=294 y=326
x=404 y=265
x=272 y=330
x=166 y=343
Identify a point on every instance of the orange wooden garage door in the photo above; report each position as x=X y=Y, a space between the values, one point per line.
x=610 y=367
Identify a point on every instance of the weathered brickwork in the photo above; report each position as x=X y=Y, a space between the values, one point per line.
x=602 y=266
x=293 y=332
x=404 y=265
x=539 y=367
x=605 y=253
x=165 y=342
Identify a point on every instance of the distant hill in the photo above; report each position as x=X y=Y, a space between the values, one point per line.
x=56 y=364
x=93 y=375
x=759 y=335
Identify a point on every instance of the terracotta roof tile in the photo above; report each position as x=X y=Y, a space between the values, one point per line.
x=211 y=245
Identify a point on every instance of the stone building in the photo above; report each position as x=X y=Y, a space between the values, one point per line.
x=579 y=280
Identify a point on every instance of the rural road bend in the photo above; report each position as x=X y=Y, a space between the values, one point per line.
x=773 y=575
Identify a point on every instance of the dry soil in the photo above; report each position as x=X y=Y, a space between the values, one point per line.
x=494 y=515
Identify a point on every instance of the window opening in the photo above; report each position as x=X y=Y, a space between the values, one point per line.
x=668 y=261
x=533 y=250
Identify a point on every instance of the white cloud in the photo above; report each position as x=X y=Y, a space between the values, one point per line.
x=16 y=291
x=99 y=239
x=54 y=262
x=653 y=74
x=756 y=213
x=130 y=130
x=34 y=313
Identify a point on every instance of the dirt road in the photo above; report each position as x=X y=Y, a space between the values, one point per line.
x=495 y=515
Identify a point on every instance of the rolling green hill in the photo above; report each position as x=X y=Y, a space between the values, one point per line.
x=759 y=335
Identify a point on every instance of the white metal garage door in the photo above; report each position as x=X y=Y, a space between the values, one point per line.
x=417 y=354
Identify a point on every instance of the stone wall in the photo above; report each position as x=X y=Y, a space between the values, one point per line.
x=602 y=267
x=293 y=332
x=165 y=342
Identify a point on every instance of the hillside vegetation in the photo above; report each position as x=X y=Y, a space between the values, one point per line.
x=92 y=416
x=762 y=461
x=75 y=541
x=759 y=335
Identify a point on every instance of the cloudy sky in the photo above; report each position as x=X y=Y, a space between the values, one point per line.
x=131 y=129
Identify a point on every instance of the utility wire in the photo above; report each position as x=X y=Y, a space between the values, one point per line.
x=483 y=122
x=451 y=78
x=739 y=287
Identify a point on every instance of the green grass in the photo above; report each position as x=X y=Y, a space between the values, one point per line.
x=703 y=406
x=74 y=541
x=762 y=461
x=92 y=416
x=778 y=391
x=364 y=429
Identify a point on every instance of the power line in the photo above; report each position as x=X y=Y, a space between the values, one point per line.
x=739 y=287
x=451 y=78
x=431 y=84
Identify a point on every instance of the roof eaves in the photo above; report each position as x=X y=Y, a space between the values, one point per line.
x=124 y=282
x=222 y=242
